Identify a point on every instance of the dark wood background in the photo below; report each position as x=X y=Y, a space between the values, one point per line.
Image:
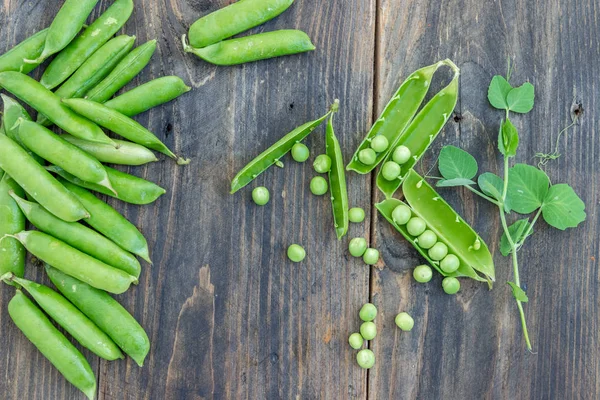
x=230 y=317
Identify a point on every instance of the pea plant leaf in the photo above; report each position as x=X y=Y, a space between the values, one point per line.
x=517 y=233
x=527 y=188
x=455 y=182
x=492 y=185
x=508 y=139
x=562 y=207
x=455 y=163
x=518 y=293
x=498 y=92
x=520 y=99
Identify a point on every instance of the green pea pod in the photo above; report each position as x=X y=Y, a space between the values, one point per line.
x=272 y=155
x=79 y=236
x=38 y=182
x=123 y=73
x=233 y=19
x=130 y=188
x=12 y=220
x=450 y=228
x=148 y=95
x=29 y=48
x=126 y=153
x=83 y=46
x=12 y=112
x=337 y=179
x=73 y=262
x=52 y=344
x=110 y=223
x=421 y=132
x=55 y=149
x=253 y=48
x=47 y=103
x=71 y=319
x=105 y=312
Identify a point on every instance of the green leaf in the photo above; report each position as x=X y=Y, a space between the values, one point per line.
x=455 y=182
x=498 y=92
x=517 y=233
x=520 y=99
x=493 y=185
x=518 y=293
x=508 y=139
x=527 y=188
x=562 y=207
x=457 y=163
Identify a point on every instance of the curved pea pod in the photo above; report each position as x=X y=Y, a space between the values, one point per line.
x=450 y=228
x=421 y=132
x=12 y=112
x=127 y=153
x=337 y=180
x=75 y=263
x=52 y=344
x=79 y=236
x=38 y=182
x=12 y=220
x=29 y=48
x=105 y=312
x=123 y=73
x=71 y=319
x=83 y=46
x=47 y=103
x=272 y=155
x=243 y=15
x=150 y=94
x=253 y=48
x=130 y=188
x=110 y=223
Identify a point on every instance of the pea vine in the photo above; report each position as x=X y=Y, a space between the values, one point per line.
x=524 y=189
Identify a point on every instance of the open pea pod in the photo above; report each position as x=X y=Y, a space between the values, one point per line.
x=450 y=228
x=337 y=179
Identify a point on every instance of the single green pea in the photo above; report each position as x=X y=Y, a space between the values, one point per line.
x=380 y=143
x=438 y=251
x=450 y=263
x=368 y=312
x=318 y=186
x=401 y=214
x=416 y=226
x=261 y=195
x=365 y=358
x=356 y=215
x=368 y=330
x=300 y=152
x=427 y=239
x=451 y=285
x=367 y=156
x=404 y=321
x=322 y=164
x=390 y=171
x=356 y=340
x=357 y=247
x=423 y=273
x=296 y=253
x=371 y=256
x=401 y=155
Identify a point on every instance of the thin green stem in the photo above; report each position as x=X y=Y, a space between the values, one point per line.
x=505 y=188
x=488 y=198
x=528 y=231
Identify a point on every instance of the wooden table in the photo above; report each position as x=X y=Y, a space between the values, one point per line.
x=230 y=317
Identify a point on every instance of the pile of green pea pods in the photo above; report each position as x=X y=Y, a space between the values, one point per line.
x=47 y=178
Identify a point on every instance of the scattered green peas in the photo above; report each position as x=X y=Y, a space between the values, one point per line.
x=427 y=239
x=416 y=226
x=356 y=340
x=367 y=156
x=296 y=253
x=261 y=195
x=322 y=164
x=357 y=247
x=451 y=285
x=368 y=330
x=401 y=155
x=365 y=358
x=368 y=312
x=401 y=214
x=371 y=256
x=423 y=273
x=318 y=186
x=450 y=263
x=438 y=251
x=300 y=152
x=380 y=143
x=390 y=170
x=356 y=215
x=404 y=321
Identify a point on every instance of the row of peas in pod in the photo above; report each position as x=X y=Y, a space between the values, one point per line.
x=51 y=165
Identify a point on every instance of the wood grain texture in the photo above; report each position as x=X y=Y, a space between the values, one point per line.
x=229 y=317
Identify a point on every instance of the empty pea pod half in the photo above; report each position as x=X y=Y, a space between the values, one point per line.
x=460 y=239
x=29 y=48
